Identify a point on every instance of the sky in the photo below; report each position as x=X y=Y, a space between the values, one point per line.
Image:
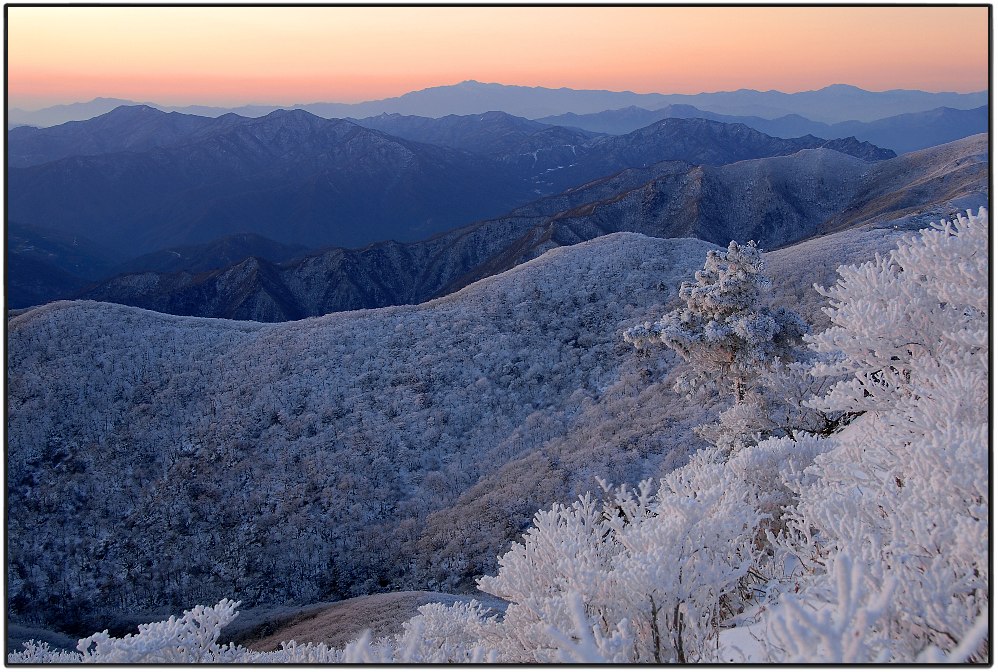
x=287 y=55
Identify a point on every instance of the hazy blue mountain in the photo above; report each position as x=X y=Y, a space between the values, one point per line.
x=839 y=102
x=628 y=119
x=900 y=133
x=775 y=201
x=532 y=148
x=831 y=104
x=557 y=157
x=171 y=179
x=697 y=141
x=60 y=114
x=496 y=133
x=918 y=130
x=134 y=128
x=289 y=176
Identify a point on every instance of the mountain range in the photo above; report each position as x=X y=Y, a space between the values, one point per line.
x=775 y=201
x=830 y=104
x=139 y=180
x=901 y=133
x=290 y=176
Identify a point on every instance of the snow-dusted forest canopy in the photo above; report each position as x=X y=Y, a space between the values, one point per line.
x=516 y=410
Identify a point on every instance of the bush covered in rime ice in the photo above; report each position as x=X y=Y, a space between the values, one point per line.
x=864 y=545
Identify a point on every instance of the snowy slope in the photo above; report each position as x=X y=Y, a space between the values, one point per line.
x=157 y=461
x=161 y=461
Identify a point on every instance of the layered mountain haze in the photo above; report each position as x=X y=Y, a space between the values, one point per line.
x=775 y=201
x=830 y=104
x=901 y=133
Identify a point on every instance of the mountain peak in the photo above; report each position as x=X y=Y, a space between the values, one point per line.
x=293 y=118
x=126 y=111
x=293 y=113
x=843 y=88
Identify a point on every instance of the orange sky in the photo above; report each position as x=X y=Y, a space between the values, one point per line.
x=286 y=55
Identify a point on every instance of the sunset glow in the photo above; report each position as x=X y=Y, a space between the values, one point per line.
x=287 y=55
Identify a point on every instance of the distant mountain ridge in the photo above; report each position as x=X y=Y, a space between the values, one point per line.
x=838 y=102
x=901 y=133
x=775 y=201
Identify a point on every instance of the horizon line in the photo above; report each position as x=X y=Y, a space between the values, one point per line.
x=473 y=81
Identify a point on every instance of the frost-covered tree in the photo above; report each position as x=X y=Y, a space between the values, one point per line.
x=725 y=331
x=728 y=336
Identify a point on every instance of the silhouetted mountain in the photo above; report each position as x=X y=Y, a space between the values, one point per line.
x=289 y=176
x=697 y=141
x=918 y=130
x=831 y=104
x=128 y=128
x=60 y=114
x=489 y=133
x=775 y=201
x=631 y=118
x=531 y=147
x=557 y=157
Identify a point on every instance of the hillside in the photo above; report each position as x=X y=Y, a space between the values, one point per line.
x=189 y=400
x=194 y=421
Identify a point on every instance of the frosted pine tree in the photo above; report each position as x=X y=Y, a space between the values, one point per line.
x=728 y=336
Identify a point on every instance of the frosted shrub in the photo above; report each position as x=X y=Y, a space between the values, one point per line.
x=189 y=639
x=193 y=639
x=903 y=494
x=925 y=302
x=843 y=632
x=649 y=569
